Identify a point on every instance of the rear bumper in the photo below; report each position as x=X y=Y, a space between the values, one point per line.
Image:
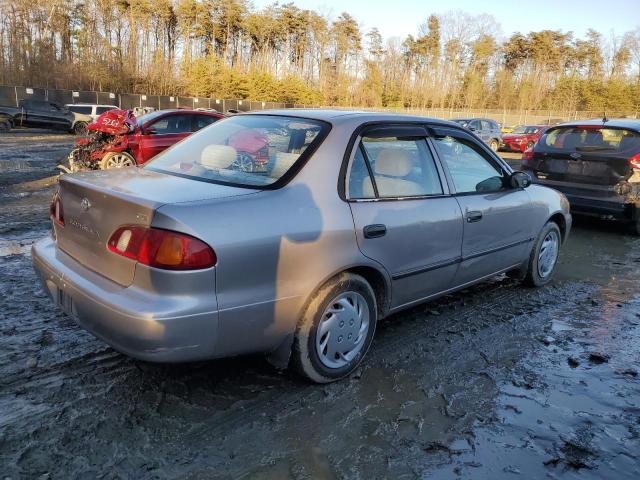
x=141 y=323
x=598 y=201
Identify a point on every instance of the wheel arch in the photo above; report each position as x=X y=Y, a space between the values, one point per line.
x=558 y=219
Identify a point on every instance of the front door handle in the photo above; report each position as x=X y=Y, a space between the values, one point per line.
x=474 y=216
x=374 y=231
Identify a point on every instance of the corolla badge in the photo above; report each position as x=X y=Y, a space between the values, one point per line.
x=85 y=204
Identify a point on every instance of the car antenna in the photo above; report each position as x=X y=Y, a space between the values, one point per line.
x=605 y=119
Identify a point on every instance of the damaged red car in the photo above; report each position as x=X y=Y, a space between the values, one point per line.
x=522 y=137
x=118 y=139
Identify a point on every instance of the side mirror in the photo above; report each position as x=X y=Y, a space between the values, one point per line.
x=519 y=180
x=149 y=131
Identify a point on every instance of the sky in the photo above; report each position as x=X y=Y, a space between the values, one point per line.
x=402 y=17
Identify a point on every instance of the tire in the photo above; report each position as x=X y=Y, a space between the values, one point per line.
x=529 y=145
x=117 y=160
x=5 y=126
x=493 y=145
x=346 y=294
x=80 y=128
x=539 y=271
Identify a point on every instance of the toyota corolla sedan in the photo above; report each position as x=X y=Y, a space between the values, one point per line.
x=355 y=216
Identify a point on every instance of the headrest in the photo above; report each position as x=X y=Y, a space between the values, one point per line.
x=393 y=162
x=217 y=157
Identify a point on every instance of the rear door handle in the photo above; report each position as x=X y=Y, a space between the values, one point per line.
x=374 y=231
x=474 y=216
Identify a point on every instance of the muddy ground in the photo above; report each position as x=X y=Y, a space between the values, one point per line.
x=494 y=382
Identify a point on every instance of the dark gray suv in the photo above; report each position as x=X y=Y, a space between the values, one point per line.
x=488 y=130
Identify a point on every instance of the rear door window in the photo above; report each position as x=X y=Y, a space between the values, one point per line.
x=172 y=124
x=401 y=167
x=201 y=121
x=586 y=139
x=81 y=109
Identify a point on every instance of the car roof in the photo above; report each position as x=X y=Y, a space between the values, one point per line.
x=628 y=123
x=336 y=116
x=90 y=105
x=466 y=119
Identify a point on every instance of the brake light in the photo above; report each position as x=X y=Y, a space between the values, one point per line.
x=527 y=155
x=56 y=212
x=161 y=248
x=635 y=161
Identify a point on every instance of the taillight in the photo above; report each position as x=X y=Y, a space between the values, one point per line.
x=161 y=248
x=527 y=155
x=56 y=213
x=635 y=161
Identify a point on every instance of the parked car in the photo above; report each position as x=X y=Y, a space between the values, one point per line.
x=595 y=164
x=191 y=258
x=44 y=114
x=504 y=130
x=522 y=137
x=488 y=130
x=119 y=139
x=94 y=111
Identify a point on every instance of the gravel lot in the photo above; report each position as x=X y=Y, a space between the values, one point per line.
x=494 y=382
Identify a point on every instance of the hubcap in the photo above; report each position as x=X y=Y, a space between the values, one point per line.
x=342 y=330
x=119 y=161
x=548 y=254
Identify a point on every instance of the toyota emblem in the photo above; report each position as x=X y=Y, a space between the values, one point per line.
x=85 y=204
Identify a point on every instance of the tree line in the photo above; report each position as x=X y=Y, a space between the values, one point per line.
x=230 y=49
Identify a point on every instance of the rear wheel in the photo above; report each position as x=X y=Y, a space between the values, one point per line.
x=117 y=160
x=336 y=329
x=493 y=145
x=544 y=256
x=529 y=145
x=80 y=128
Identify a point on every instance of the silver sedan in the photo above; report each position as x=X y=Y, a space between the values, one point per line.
x=291 y=233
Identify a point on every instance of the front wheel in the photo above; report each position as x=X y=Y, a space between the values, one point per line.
x=117 y=160
x=544 y=256
x=493 y=145
x=336 y=329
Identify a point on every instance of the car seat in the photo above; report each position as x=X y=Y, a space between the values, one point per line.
x=392 y=166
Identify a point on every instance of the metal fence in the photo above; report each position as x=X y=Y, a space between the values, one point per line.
x=11 y=96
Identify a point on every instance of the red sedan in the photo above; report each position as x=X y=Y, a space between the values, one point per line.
x=118 y=139
x=522 y=137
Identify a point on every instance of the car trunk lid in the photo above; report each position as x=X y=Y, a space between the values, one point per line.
x=586 y=155
x=95 y=204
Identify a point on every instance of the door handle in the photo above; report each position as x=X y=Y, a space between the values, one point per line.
x=474 y=216
x=374 y=231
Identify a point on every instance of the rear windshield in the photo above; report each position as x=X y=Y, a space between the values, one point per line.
x=526 y=129
x=247 y=150
x=591 y=139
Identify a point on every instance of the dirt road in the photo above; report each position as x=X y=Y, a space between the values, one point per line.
x=494 y=382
